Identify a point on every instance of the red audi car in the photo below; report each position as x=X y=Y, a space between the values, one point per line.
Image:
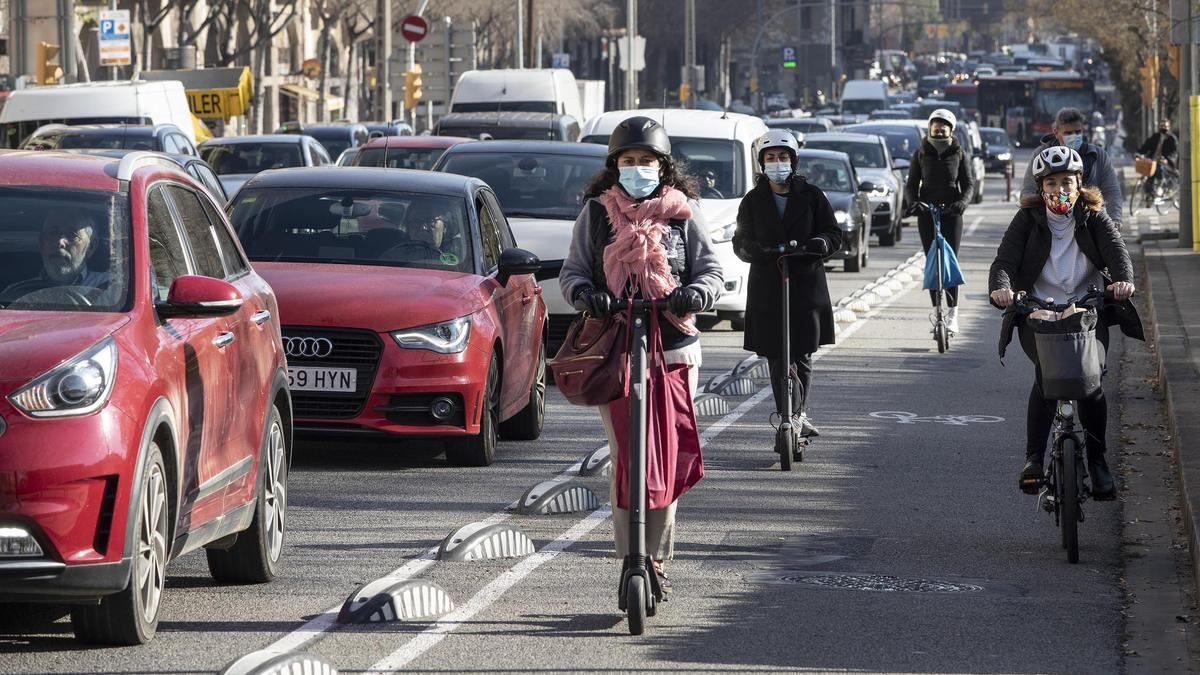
x=144 y=410
x=407 y=309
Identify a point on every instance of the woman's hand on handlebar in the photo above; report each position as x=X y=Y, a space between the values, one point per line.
x=1002 y=297
x=1121 y=290
x=597 y=302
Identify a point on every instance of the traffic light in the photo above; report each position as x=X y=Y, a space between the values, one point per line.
x=1149 y=78
x=412 y=87
x=685 y=93
x=48 y=72
x=1173 y=60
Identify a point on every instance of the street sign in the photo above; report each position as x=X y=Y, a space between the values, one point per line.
x=414 y=28
x=639 y=52
x=115 y=48
x=789 y=57
x=560 y=60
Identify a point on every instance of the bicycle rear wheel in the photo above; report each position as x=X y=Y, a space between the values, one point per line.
x=1069 y=506
x=1137 y=197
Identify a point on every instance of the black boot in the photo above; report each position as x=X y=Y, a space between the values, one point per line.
x=1032 y=474
x=1103 y=487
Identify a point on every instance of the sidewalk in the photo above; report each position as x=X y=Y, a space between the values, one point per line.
x=1172 y=287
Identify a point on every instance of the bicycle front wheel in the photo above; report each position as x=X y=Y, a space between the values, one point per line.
x=1137 y=196
x=1068 y=519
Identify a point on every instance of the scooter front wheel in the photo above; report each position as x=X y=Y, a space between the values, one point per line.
x=943 y=339
x=635 y=604
x=784 y=446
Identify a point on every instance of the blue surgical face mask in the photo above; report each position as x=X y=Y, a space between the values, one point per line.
x=1073 y=141
x=639 y=181
x=778 y=172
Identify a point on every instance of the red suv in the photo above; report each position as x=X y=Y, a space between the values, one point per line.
x=407 y=309
x=144 y=410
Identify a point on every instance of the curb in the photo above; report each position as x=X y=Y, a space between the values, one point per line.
x=1176 y=376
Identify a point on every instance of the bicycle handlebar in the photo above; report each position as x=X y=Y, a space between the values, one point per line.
x=1094 y=298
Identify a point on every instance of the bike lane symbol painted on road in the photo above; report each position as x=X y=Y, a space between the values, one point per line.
x=952 y=420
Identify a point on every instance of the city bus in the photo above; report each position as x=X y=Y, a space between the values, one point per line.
x=1024 y=104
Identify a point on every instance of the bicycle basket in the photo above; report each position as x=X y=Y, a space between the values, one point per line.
x=1145 y=166
x=1070 y=358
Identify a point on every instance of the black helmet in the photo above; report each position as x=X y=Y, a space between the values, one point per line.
x=639 y=132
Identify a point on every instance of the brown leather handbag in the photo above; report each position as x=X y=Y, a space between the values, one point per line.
x=592 y=366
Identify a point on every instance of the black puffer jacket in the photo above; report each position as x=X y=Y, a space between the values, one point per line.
x=1026 y=247
x=940 y=178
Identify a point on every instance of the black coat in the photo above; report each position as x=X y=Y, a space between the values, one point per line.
x=940 y=178
x=808 y=214
x=1026 y=247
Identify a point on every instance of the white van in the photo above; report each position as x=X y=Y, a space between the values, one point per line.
x=714 y=141
x=540 y=90
x=860 y=98
x=120 y=102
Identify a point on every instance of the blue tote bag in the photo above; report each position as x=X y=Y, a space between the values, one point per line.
x=951 y=273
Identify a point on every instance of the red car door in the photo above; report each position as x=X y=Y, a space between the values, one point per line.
x=507 y=300
x=529 y=338
x=195 y=347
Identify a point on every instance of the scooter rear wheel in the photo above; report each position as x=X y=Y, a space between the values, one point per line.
x=783 y=449
x=635 y=605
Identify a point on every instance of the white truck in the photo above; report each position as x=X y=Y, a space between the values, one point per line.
x=536 y=90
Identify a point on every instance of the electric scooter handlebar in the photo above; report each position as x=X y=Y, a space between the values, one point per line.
x=793 y=249
x=639 y=305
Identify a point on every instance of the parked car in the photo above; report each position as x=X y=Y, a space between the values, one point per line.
x=406 y=152
x=158 y=137
x=805 y=125
x=540 y=186
x=708 y=141
x=529 y=126
x=834 y=174
x=872 y=162
x=407 y=309
x=335 y=138
x=145 y=352
x=237 y=158
x=997 y=149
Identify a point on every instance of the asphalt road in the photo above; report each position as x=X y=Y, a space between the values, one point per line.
x=894 y=547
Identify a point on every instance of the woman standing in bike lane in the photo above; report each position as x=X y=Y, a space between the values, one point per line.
x=940 y=174
x=640 y=235
x=780 y=208
x=1060 y=244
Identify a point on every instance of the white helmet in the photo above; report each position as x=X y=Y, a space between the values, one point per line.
x=776 y=138
x=945 y=116
x=1056 y=159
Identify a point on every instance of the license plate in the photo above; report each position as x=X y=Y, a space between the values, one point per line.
x=302 y=378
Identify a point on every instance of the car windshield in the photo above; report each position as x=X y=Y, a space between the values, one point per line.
x=996 y=137
x=399 y=158
x=720 y=157
x=235 y=158
x=862 y=155
x=491 y=131
x=113 y=139
x=531 y=185
x=902 y=142
x=354 y=227
x=335 y=146
x=65 y=250
x=830 y=175
x=862 y=106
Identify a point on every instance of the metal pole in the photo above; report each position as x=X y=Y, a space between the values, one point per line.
x=114 y=70
x=833 y=49
x=383 y=65
x=631 y=79
x=1186 y=214
x=529 y=36
x=520 y=60
x=689 y=50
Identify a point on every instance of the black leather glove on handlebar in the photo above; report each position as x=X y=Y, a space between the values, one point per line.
x=597 y=302
x=685 y=300
x=817 y=246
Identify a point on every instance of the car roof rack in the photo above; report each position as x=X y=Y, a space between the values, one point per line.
x=139 y=158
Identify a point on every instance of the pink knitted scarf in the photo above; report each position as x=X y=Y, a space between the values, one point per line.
x=635 y=260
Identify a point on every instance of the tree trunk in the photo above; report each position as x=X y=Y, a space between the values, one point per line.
x=323 y=51
x=258 y=60
x=350 y=88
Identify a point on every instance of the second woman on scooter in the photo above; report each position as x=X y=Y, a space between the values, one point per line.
x=783 y=207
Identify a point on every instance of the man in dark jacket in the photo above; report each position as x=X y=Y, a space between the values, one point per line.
x=783 y=207
x=940 y=174
x=1163 y=147
x=1098 y=170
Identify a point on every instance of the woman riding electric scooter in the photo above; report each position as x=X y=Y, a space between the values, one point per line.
x=640 y=236
x=783 y=207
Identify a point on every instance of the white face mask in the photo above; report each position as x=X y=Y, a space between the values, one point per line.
x=778 y=172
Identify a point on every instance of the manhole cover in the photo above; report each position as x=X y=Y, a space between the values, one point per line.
x=881 y=583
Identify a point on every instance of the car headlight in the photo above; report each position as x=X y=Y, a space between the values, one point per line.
x=722 y=234
x=841 y=217
x=447 y=337
x=77 y=387
x=881 y=191
x=1004 y=156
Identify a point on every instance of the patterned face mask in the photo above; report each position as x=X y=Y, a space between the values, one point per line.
x=1059 y=203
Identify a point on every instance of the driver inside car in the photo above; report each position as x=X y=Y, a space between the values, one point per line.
x=427 y=225
x=67 y=242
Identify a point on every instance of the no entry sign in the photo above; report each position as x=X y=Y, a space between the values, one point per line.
x=414 y=28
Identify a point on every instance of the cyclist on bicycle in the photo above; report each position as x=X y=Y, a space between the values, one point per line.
x=940 y=174
x=1162 y=147
x=1060 y=244
x=781 y=207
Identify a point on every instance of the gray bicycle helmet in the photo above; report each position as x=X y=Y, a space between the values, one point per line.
x=1056 y=159
x=945 y=116
x=776 y=138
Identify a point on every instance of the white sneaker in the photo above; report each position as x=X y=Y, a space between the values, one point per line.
x=952 y=320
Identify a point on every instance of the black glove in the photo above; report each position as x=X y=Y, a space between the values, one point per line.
x=597 y=302
x=953 y=209
x=817 y=246
x=916 y=209
x=685 y=300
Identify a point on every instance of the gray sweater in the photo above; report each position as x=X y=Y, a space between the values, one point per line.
x=706 y=273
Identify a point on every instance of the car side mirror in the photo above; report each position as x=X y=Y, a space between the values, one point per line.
x=550 y=270
x=901 y=164
x=866 y=186
x=196 y=296
x=515 y=262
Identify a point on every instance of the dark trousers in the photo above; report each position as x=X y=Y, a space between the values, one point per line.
x=1093 y=411
x=803 y=365
x=952 y=228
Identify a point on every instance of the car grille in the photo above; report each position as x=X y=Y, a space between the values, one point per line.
x=358 y=349
x=559 y=324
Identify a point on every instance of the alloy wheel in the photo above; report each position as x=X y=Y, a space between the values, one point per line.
x=275 y=498
x=150 y=564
